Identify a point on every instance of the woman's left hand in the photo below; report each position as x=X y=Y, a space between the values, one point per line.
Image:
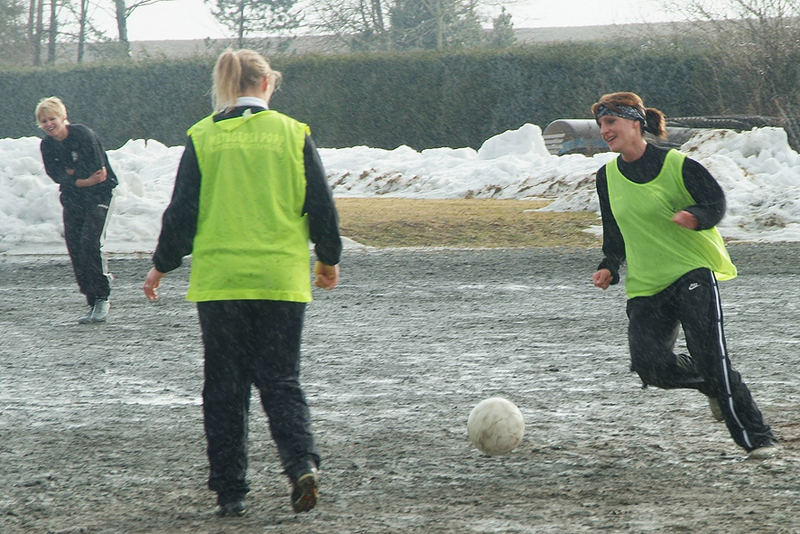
x=327 y=276
x=602 y=278
x=685 y=219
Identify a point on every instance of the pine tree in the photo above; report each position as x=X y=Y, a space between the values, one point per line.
x=502 y=35
x=435 y=24
x=246 y=17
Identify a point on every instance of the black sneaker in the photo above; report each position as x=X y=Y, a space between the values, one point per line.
x=231 y=509
x=305 y=492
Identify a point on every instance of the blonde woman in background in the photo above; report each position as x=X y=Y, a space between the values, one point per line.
x=250 y=192
x=74 y=158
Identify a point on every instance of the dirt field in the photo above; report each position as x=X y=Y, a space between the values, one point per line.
x=101 y=426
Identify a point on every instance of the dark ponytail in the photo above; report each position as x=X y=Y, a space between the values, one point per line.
x=655 y=123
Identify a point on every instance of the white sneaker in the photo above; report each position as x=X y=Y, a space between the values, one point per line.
x=100 y=310
x=765 y=452
x=88 y=318
x=98 y=313
x=716 y=410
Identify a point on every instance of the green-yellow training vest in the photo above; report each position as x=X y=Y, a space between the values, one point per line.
x=657 y=250
x=252 y=237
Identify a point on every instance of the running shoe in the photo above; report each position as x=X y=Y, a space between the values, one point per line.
x=305 y=492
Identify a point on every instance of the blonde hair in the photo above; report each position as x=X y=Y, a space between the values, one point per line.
x=654 y=119
x=51 y=104
x=237 y=71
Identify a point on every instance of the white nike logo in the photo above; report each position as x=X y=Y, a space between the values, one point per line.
x=693 y=286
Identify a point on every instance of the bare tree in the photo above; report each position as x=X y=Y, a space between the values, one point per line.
x=79 y=27
x=122 y=11
x=76 y=24
x=758 y=43
x=35 y=29
x=403 y=24
x=358 y=24
x=83 y=20
x=50 y=22
x=66 y=19
x=12 y=30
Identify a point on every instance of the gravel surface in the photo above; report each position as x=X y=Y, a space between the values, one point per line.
x=101 y=425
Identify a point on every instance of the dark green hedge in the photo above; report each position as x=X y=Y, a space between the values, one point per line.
x=152 y=100
x=461 y=99
x=421 y=99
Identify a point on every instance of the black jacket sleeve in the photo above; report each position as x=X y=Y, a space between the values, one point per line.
x=93 y=156
x=323 y=220
x=179 y=222
x=709 y=207
x=613 y=243
x=53 y=164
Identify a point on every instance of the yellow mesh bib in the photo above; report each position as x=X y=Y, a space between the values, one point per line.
x=252 y=240
x=657 y=250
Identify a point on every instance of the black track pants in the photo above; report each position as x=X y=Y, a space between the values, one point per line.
x=693 y=302
x=84 y=231
x=252 y=342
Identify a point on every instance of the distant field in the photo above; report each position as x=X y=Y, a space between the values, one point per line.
x=471 y=223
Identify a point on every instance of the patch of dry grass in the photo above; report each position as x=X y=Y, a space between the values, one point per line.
x=403 y=222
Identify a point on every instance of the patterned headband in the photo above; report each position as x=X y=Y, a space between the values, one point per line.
x=625 y=112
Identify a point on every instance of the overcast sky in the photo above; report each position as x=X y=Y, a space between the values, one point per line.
x=191 y=19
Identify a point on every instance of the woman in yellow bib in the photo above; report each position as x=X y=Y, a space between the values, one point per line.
x=250 y=193
x=660 y=210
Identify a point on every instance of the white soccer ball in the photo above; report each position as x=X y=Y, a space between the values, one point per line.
x=495 y=426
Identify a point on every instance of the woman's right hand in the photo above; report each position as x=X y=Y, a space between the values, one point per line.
x=98 y=177
x=602 y=278
x=151 y=284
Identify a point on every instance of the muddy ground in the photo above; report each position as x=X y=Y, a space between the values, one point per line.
x=101 y=426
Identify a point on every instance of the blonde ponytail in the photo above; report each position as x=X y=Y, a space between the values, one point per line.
x=237 y=71
x=227 y=76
